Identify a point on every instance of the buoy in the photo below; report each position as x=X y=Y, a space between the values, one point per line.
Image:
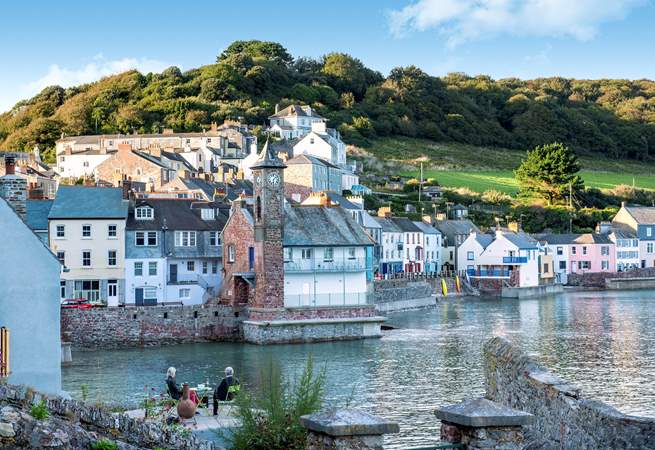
x=458 y=286
x=444 y=289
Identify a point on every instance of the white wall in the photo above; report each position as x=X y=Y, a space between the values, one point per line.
x=80 y=165
x=132 y=282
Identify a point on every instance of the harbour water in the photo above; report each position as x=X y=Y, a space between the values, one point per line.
x=602 y=341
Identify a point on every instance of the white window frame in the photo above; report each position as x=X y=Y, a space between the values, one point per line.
x=89 y=258
x=231 y=253
x=352 y=253
x=60 y=231
x=184 y=293
x=470 y=256
x=138 y=268
x=149 y=290
x=191 y=266
x=185 y=239
x=109 y=258
x=306 y=253
x=84 y=230
x=207 y=214
x=151 y=272
x=214 y=238
x=144 y=213
x=112 y=233
x=62 y=260
x=146 y=235
x=328 y=254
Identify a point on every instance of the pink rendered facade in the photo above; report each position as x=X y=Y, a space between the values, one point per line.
x=592 y=257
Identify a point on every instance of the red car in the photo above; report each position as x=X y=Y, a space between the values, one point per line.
x=76 y=303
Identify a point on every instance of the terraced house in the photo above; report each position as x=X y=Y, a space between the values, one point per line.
x=639 y=220
x=173 y=252
x=86 y=231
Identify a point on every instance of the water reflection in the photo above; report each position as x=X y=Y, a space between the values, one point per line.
x=601 y=341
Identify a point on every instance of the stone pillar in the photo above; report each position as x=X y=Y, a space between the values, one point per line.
x=482 y=424
x=346 y=429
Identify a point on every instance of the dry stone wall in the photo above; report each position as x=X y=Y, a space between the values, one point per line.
x=564 y=418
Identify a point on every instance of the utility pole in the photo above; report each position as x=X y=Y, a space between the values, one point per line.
x=570 y=207
x=420 y=184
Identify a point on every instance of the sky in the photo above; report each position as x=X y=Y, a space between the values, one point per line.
x=72 y=42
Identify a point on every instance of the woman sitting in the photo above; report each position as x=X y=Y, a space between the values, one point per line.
x=171 y=385
x=186 y=408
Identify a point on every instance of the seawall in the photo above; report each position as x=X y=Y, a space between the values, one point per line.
x=564 y=418
x=149 y=325
x=531 y=291
x=599 y=279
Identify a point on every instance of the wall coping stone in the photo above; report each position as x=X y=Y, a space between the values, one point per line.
x=283 y=323
x=348 y=422
x=481 y=412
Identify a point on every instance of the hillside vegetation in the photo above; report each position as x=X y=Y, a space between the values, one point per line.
x=609 y=117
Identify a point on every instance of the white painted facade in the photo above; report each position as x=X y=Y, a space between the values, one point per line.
x=79 y=165
x=322 y=144
x=561 y=263
x=627 y=252
x=324 y=276
x=413 y=252
x=468 y=253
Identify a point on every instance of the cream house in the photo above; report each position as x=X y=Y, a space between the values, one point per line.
x=86 y=231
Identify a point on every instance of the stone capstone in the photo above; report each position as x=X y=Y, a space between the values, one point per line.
x=481 y=412
x=347 y=422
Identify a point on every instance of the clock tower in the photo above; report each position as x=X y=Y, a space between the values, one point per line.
x=268 y=176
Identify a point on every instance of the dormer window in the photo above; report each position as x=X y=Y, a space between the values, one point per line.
x=144 y=213
x=207 y=214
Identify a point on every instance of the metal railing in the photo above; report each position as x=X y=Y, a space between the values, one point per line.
x=323 y=300
x=355 y=265
x=493 y=273
x=515 y=259
x=5 y=367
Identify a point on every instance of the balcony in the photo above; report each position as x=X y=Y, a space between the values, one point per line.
x=327 y=300
x=515 y=259
x=491 y=273
x=309 y=266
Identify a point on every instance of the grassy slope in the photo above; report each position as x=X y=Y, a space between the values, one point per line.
x=483 y=168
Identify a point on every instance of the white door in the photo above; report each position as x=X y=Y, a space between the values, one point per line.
x=112 y=293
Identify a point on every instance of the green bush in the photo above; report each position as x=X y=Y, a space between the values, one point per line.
x=104 y=444
x=270 y=416
x=40 y=411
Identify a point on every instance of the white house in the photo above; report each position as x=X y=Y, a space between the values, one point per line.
x=413 y=239
x=470 y=250
x=559 y=247
x=453 y=234
x=392 y=247
x=431 y=247
x=293 y=121
x=86 y=231
x=626 y=246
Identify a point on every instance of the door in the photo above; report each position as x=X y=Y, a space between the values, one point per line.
x=172 y=274
x=138 y=296
x=112 y=292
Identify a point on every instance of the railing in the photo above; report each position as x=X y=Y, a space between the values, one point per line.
x=5 y=368
x=93 y=296
x=494 y=273
x=515 y=259
x=356 y=265
x=322 y=300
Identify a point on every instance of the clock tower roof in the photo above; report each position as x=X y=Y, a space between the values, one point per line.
x=268 y=158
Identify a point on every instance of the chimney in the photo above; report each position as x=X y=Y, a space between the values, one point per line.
x=623 y=204
x=126 y=184
x=122 y=148
x=384 y=211
x=214 y=128
x=155 y=151
x=13 y=188
x=277 y=108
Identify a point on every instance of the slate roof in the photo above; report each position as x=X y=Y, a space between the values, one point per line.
x=521 y=240
x=569 y=239
x=37 y=214
x=81 y=202
x=295 y=110
x=623 y=233
x=268 y=158
x=319 y=226
x=177 y=214
x=452 y=228
x=388 y=226
x=309 y=159
x=426 y=228
x=405 y=225
x=369 y=221
x=484 y=239
x=642 y=214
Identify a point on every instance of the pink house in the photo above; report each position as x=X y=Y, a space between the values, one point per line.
x=592 y=253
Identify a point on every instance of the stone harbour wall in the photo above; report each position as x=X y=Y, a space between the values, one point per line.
x=313 y=330
x=402 y=295
x=597 y=279
x=149 y=325
x=564 y=418
x=74 y=425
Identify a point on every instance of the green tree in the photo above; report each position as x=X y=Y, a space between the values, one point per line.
x=549 y=171
x=271 y=51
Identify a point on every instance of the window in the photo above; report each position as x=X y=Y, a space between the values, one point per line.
x=185 y=293
x=111 y=231
x=231 y=253
x=214 y=268
x=86 y=258
x=143 y=213
x=185 y=238
x=604 y=250
x=152 y=268
x=351 y=252
x=214 y=238
x=604 y=265
x=86 y=231
x=584 y=250
x=560 y=250
x=145 y=238
x=61 y=256
x=649 y=231
x=61 y=231
x=62 y=289
x=205 y=267
x=207 y=214
x=562 y=265
x=62 y=159
x=150 y=293
x=470 y=256
x=138 y=269
x=288 y=254
x=306 y=253
x=649 y=247
x=191 y=266
x=584 y=265
x=328 y=254
x=311 y=140
x=573 y=250
x=111 y=258
x=546 y=268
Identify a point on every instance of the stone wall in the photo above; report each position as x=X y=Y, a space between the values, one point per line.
x=74 y=425
x=597 y=279
x=402 y=294
x=564 y=418
x=148 y=325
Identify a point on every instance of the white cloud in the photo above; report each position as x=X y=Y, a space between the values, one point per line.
x=98 y=67
x=469 y=20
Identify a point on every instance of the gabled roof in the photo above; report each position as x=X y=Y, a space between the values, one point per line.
x=37 y=214
x=81 y=202
x=388 y=226
x=406 y=225
x=452 y=228
x=426 y=228
x=369 y=221
x=296 y=110
x=484 y=239
x=310 y=159
x=174 y=214
x=557 y=239
x=521 y=240
x=642 y=214
x=319 y=226
x=573 y=239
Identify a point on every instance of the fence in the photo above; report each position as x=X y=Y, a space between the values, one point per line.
x=321 y=300
x=5 y=368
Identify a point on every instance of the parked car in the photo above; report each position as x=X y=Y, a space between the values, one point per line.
x=76 y=303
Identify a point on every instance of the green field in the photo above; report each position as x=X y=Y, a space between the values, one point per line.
x=484 y=168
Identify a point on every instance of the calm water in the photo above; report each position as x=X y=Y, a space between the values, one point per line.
x=604 y=342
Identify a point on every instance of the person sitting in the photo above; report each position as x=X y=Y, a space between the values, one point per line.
x=225 y=391
x=171 y=385
x=186 y=408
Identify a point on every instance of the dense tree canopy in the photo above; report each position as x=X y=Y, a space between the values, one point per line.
x=549 y=171
x=613 y=117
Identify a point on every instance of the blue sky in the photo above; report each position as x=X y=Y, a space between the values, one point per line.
x=68 y=42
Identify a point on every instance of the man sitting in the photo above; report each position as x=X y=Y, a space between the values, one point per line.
x=171 y=385
x=228 y=388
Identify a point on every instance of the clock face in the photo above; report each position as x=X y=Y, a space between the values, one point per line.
x=258 y=179
x=274 y=179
